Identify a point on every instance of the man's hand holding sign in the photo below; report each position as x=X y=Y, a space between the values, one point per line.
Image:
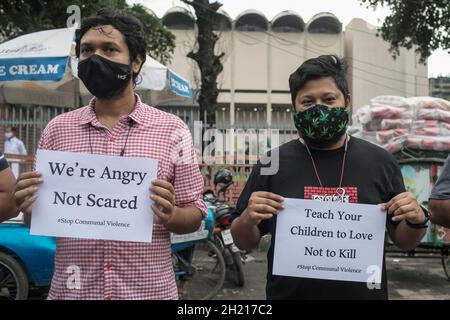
x=404 y=207
x=164 y=198
x=173 y=217
x=25 y=192
x=89 y=197
x=261 y=206
x=335 y=240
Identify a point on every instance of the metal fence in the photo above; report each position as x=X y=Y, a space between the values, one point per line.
x=30 y=120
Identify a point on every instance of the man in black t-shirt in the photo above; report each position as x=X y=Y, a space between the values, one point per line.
x=7 y=208
x=325 y=160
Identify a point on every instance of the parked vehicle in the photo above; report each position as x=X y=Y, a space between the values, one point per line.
x=223 y=213
x=26 y=261
x=198 y=263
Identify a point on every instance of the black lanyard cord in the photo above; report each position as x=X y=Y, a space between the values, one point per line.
x=122 y=153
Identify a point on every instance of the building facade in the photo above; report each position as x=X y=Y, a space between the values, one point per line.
x=261 y=54
x=440 y=87
x=259 y=57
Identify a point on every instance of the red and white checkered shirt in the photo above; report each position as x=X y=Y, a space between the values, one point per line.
x=120 y=269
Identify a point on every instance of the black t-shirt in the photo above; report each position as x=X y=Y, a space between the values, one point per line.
x=371 y=173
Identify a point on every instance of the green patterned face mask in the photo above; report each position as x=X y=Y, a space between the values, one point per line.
x=321 y=126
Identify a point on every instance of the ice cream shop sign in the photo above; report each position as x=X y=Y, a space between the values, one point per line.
x=38 y=56
x=32 y=69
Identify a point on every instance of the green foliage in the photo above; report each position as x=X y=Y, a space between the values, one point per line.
x=26 y=16
x=421 y=23
x=161 y=42
x=209 y=64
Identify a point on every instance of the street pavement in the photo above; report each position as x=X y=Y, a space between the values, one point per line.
x=421 y=278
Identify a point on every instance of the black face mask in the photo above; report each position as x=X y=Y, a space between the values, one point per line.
x=102 y=77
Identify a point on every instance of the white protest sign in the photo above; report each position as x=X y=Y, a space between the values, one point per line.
x=330 y=240
x=94 y=196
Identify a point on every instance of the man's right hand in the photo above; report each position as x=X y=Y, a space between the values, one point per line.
x=25 y=190
x=261 y=206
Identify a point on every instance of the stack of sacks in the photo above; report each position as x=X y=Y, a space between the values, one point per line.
x=431 y=129
x=385 y=121
x=394 y=122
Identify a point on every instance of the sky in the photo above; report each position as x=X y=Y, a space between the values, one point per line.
x=345 y=10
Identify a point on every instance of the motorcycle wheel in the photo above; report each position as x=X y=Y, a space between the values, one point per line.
x=238 y=268
x=13 y=279
x=206 y=273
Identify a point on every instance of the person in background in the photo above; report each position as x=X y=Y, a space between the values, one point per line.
x=439 y=203
x=14 y=146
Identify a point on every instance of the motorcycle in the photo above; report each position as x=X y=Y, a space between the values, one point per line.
x=198 y=263
x=223 y=213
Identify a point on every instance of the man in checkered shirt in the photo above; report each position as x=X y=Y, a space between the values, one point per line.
x=111 y=50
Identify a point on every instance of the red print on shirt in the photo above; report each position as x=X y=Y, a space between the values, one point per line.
x=345 y=194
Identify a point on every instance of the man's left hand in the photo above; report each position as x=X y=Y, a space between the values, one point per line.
x=404 y=206
x=163 y=195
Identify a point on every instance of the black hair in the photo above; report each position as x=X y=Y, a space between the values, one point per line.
x=322 y=66
x=128 y=25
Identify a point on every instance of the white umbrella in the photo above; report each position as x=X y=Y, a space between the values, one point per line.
x=40 y=68
x=164 y=84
